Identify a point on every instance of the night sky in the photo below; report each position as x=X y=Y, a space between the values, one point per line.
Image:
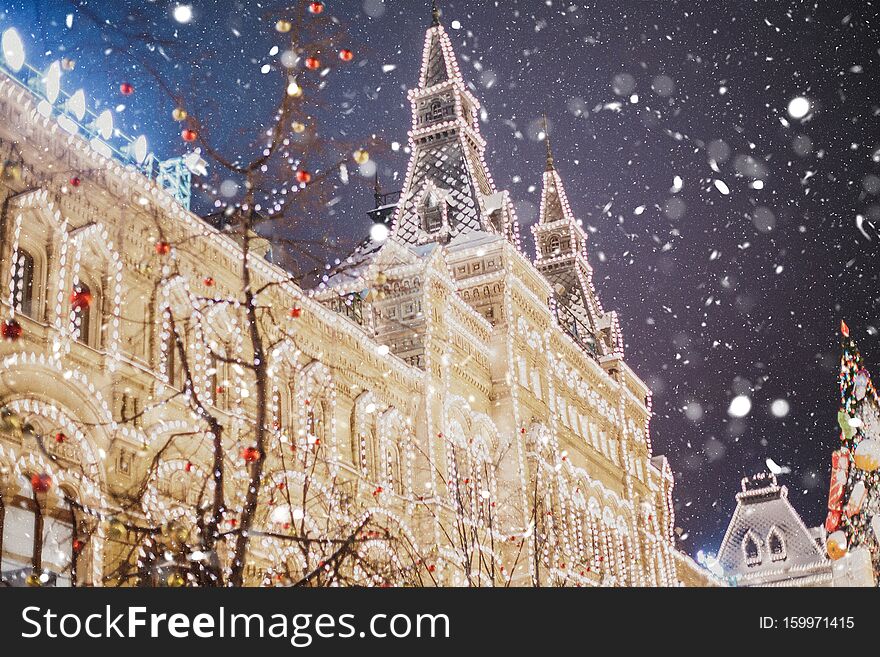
x=730 y=236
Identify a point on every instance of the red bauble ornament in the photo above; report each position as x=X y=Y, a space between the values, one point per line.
x=188 y=467
x=11 y=330
x=189 y=135
x=75 y=181
x=78 y=545
x=295 y=312
x=303 y=176
x=163 y=248
x=346 y=55
x=41 y=482
x=80 y=299
x=312 y=63
x=250 y=454
x=209 y=281
x=126 y=88
x=316 y=7
x=60 y=437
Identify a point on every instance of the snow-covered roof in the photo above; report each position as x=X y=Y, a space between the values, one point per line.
x=766 y=541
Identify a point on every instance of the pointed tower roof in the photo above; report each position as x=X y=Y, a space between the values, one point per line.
x=561 y=256
x=448 y=190
x=550 y=165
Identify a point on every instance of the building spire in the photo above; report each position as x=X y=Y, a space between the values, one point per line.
x=377 y=190
x=435 y=14
x=550 y=166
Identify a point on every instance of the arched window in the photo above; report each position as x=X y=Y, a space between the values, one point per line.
x=214 y=382
x=355 y=441
x=315 y=422
x=81 y=302
x=36 y=538
x=171 y=369
x=751 y=550
x=24 y=282
x=554 y=245
x=21 y=544
x=436 y=109
x=431 y=212
x=392 y=464
x=777 y=547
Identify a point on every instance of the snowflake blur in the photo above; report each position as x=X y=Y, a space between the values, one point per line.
x=728 y=294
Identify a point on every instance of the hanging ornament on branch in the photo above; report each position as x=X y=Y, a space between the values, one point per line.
x=11 y=330
x=250 y=454
x=41 y=483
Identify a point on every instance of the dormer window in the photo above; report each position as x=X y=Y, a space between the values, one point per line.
x=431 y=213
x=751 y=550
x=776 y=545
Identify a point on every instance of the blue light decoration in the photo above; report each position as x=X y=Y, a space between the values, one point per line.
x=174 y=178
x=174 y=175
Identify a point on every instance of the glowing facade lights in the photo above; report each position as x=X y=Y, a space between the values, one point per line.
x=76 y=104
x=104 y=124
x=52 y=82
x=72 y=115
x=139 y=149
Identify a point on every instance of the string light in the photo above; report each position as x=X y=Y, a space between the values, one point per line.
x=559 y=395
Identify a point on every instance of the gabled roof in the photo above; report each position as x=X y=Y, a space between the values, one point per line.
x=764 y=517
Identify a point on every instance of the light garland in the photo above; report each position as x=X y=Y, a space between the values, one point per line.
x=582 y=403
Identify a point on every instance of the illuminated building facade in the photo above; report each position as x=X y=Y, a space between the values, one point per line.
x=477 y=400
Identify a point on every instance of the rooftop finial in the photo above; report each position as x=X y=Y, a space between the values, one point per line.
x=550 y=166
x=435 y=14
x=377 y=190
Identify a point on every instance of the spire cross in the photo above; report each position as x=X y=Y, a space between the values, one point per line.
x=550 y=166
x=435 y=14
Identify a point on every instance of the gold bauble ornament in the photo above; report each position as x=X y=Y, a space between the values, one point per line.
x=381 y=278
x=116 y=530
x=175 y=580
x=10 y=171
x=175 y=532
x=33 y=580
x=867 y=456
x=836 y=545
x=284 y=26
x=298 y=127
x=361 y=156
x=179 y=114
